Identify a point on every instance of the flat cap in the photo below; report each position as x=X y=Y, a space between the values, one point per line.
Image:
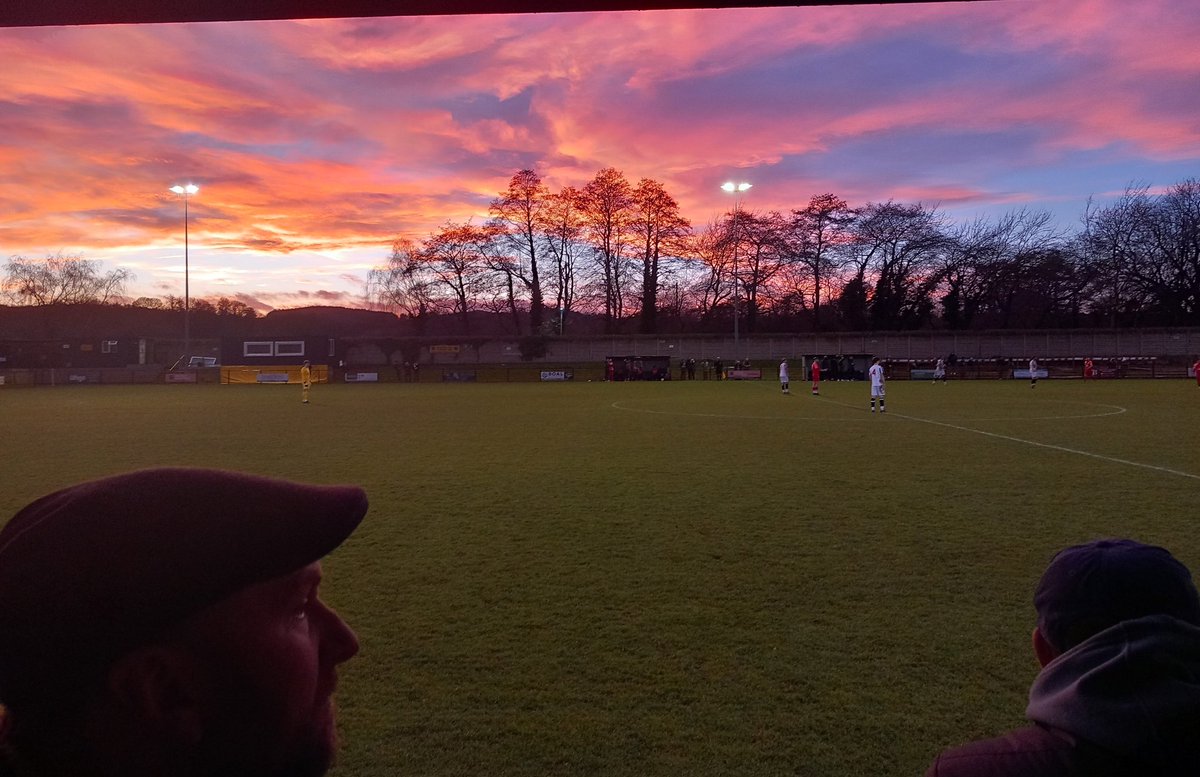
x=1091 y=587
x=97 y=569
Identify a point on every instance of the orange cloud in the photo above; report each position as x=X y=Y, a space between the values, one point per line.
x=317 y=143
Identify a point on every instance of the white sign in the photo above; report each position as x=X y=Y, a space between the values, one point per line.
x=272 y=377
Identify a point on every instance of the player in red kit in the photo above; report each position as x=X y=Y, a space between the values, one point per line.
x=816 y=376
x=1089 y=369
x=1196 y=371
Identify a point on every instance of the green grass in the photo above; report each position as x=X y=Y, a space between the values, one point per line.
x=663 y=579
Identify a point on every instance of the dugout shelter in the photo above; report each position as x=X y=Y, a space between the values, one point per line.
x=839 y=366
x=638 y=368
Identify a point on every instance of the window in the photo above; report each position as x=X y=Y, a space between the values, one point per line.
x=289 y=347
x=257 y=348
x=108 y=346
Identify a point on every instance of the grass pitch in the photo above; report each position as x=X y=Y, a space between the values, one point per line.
x=692 y=578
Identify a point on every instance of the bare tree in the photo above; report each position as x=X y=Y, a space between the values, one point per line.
x=965 y=271
x=986 y=269
x=1147 y=251
x=508 y=271
x=457 y=259
x=562 y=231
x=1116 y=239
x=899 y=245
x=817 y=238
x=59 y=279
x=1175 y=236
x=404 y=285
x=712 y=287
x=518 y=215
x=606 y=203
x=660 y=228
x=759 y=256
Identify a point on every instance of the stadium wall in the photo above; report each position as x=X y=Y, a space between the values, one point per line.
x=1055 y=344
x=1120 y=353
x=1161 y=344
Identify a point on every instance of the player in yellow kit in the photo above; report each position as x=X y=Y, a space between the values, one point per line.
x=305 y=381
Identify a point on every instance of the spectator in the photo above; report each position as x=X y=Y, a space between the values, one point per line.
x=166 y=622
x=1118 y=640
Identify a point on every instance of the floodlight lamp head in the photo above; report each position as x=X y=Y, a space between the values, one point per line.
x=730 y=186
x=191 y=188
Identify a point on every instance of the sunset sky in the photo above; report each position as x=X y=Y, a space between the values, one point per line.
x=317 y=143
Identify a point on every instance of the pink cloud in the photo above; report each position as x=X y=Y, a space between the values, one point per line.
x=327 y=138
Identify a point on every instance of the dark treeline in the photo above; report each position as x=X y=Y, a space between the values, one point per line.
x=60 y=281
x=619 y=257
x=615 y=257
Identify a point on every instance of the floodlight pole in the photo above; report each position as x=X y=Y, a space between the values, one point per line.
x=736 y=189
x=185 y=192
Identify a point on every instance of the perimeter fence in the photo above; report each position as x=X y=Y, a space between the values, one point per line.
x=1149 y=353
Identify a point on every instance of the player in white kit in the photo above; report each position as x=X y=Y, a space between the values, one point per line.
x=876 y=375
x=783 y=376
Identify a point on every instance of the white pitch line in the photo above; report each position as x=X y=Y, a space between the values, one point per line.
x=740 y=416
x=1062 y=448
x=1116 y=410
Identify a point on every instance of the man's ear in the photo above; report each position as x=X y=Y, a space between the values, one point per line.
x=1042 y=648
x=160 y=687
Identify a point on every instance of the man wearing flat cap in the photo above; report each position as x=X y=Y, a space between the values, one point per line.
x=167 y=622
x=1118 y=640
